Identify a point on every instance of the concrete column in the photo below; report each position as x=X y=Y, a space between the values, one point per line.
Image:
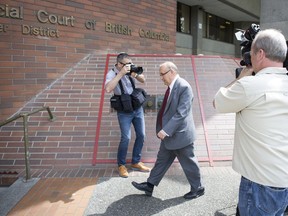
x=196 y=28
x=274 y=15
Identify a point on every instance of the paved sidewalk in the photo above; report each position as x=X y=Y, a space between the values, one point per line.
x=10 y=196
x=107 y=194
x=55 y=197
x=116 y=196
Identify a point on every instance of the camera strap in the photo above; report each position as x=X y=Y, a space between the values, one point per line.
x=132 y=82
x=121 y=85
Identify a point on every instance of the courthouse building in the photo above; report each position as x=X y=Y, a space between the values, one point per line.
x=55 y=54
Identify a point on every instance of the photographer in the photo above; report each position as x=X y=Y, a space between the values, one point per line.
x=119 y=79
x=261 y=136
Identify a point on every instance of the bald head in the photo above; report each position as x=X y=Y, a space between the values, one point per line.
x=168 y=71
x=169 y=66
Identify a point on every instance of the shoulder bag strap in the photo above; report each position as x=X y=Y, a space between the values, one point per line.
x=120 y=84
x=132 y=82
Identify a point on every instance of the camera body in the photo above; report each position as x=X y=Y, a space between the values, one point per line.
x=285 y=63
x=246 y=38
x=246 y=42
x=135 y=69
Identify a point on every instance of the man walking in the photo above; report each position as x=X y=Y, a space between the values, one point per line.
x=176 y=130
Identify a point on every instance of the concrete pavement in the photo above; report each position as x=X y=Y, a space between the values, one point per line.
x=116 y=196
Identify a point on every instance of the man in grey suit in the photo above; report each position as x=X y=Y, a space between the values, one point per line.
x=176 y=130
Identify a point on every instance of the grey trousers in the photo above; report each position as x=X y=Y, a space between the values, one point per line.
x=187 y=160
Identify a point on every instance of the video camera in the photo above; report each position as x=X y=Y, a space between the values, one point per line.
x=246 y=38
x=285 y=63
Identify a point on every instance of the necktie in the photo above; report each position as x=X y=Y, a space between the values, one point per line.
x=164 y=105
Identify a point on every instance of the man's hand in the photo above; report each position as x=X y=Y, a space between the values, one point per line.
x=134 y=74
x=161 y=135
x=247 y=71
x=125 y=69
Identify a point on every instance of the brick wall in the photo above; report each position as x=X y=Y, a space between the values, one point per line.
x=81 y=110
x=31 y=60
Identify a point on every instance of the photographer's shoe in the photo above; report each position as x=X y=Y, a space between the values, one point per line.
x=140 y=167
x=143 y=187
x=123 y=171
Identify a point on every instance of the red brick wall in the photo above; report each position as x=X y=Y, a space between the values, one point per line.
x=30 y=63
x=75 y=101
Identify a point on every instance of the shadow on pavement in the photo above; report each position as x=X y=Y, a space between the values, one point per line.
x=128 y=204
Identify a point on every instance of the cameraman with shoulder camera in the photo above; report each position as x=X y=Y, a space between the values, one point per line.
x=261 y=135
x=119 y=79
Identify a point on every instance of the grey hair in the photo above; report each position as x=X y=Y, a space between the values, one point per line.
x=122 y=56
x=273 y=42
x=170 y=66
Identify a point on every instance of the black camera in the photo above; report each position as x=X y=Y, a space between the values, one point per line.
x=135 y=69
x=246 y=38
x=285 y=63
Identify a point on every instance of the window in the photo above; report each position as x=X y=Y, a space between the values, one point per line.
x=183 y=18
x=218 y=28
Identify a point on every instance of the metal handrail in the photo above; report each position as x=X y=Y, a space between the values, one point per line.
x=26 y=139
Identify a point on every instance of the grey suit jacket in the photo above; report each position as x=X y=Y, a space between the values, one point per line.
x=178 y=120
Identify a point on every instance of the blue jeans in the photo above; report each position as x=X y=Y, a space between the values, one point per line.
x=260 y=200
x=125 y=119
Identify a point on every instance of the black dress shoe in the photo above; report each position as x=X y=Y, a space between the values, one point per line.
x=143 y=187
x=193 y=195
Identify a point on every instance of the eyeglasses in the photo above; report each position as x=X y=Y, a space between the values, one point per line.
x=162 y=74
x=125 y=63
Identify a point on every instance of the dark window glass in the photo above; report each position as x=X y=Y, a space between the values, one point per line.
x=217 y=28
x=183 y=18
